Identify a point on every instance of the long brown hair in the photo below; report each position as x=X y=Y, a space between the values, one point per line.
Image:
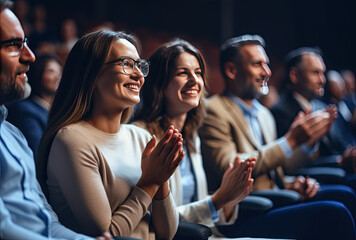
x=73 y=100
x=153 y=109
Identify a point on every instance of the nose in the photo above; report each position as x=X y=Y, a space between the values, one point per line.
x=27 y=56
x=266 y=70
x=194 y=77
x=137 y=72
x=322 y=78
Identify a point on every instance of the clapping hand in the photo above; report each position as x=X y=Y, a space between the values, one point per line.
x=159 y=162
x=236 y=183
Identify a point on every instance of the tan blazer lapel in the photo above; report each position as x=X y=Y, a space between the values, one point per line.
x=240 y=120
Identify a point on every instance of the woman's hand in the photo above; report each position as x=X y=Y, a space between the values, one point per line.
x=159 y=163
x=306 y=186
x=236 y=183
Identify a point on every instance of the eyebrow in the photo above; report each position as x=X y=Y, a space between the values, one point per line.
x=184 y=68
x=13 y=39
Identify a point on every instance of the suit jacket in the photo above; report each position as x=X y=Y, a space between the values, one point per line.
x=225 y=133
x=334 y=142
x=197 y=211
x=31 y=119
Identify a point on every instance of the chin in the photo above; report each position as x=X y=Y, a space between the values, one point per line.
x=134 y=101
x=27 y=91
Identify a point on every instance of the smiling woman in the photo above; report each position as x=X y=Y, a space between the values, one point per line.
x=90 y=162
x=173 y=95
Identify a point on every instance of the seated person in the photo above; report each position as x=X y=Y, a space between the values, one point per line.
x=236 y=124
x=24 y=211
x=335 y=93
x=173 y=94
x=302 y=89
x=90 y=160
x=30 y=115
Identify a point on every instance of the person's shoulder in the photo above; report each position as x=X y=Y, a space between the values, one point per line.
x=74 y=132
x=216 y=101
x=213 y=98
x=22 y=105
x=135 y=130
x=285 y=103
x=11 y=129
x=140 y=123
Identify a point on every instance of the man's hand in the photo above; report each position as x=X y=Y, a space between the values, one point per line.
x=348 y=160
x=311 y=127
x=307 y=187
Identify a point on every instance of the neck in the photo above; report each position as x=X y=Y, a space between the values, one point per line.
x=308 y=98
x=247 y=101
x=178 y=121
x=106 y=122
x=48 y=98
x=235 y=92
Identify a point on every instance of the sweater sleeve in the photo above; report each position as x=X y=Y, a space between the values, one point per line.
x=165 y=217
x=75 y=166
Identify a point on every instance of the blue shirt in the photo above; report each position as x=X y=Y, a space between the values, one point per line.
x=24 y=211
x=187 y=178
x=250 y=114
x=189 y=185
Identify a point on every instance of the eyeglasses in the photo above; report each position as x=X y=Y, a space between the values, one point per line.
x=128 y=65
x=15 y=45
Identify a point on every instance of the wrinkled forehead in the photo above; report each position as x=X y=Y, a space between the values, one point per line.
x=10 y=26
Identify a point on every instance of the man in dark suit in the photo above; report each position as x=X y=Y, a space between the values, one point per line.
x=302 y=87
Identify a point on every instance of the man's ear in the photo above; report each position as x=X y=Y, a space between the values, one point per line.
x=230 y=70
x=293 y=75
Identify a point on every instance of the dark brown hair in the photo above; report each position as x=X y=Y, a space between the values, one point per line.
x=153 y=108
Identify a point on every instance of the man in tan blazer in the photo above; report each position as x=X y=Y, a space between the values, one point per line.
x=237 y=124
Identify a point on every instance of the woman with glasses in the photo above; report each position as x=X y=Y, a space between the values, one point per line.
x=90 y=162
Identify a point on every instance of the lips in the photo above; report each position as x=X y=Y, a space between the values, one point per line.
x=135 y=87
x=191 y=91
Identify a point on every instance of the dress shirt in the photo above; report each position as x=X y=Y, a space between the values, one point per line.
x=189 y=188
x=24 y=211
x=250 y=114
x=188 y=179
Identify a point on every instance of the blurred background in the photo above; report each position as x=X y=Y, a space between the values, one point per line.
x=55 y=25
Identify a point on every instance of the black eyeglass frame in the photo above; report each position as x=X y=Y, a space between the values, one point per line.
x=11 y=42
x=136 y=63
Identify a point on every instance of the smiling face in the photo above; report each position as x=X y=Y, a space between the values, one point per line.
x=13 y=78
x=114 y=89
x=252 y=71
x=185 y=85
